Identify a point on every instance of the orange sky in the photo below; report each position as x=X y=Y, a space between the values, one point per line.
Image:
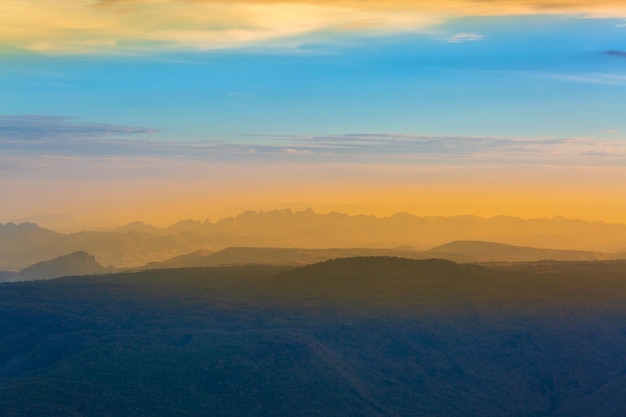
x=201 y=191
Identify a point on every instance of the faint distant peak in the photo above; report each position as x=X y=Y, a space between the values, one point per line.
x=137 y=226
x=23 y=225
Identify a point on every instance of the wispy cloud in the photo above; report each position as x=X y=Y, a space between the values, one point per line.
x=465 y=37
x=588 y=78
x=476 y=7
x=60 y=128
x=469 y=149
x=47 y=136
x=615 y=53
x=75 y=27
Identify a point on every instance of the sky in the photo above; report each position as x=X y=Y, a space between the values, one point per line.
x=161 y=110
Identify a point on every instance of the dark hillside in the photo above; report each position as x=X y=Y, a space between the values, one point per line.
x=264 y=341
x=379 y=280
x=441 y=284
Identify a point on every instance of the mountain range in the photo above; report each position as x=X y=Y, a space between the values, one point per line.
x=81 y=263
x=137 y=244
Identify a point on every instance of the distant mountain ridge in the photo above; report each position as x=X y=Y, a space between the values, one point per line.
x=138 y=243
x=478 y=251
x=457 y=251
x=272 y=256
x=76 y=263
x=81 y=263
x=27 y=243
x=193 y=259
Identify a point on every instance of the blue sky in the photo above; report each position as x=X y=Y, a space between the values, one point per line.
x=527 y=76
x=478 y=95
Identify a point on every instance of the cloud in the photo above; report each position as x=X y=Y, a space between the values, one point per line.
x=60 y=128
x=292 y=151
x=63 y=136
x=129 y=26
x=462 y=150
x=615 y=53
x=465 y=37
x=465 y=7
x=589 y=78
x=73 y=26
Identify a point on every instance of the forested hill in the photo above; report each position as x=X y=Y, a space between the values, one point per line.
x=372 y=336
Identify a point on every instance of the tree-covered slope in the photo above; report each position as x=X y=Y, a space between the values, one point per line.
x=327 y=339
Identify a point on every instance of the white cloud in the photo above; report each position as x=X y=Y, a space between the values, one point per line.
x=465 y=37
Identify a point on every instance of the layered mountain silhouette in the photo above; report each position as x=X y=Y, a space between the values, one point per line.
x=458 y=251
x=273 y=256
x=27 y=243
x=80 y=262
x=136 y=244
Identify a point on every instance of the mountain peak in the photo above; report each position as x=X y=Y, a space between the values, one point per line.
x=75 y=263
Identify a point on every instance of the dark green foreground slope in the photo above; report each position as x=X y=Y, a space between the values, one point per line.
x=350 y=337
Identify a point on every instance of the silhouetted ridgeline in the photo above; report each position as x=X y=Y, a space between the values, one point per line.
x=471 y=251
x=368 y=336
x=459 y=251
x=137 y=243
x=274 y=256
x=77 y=263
